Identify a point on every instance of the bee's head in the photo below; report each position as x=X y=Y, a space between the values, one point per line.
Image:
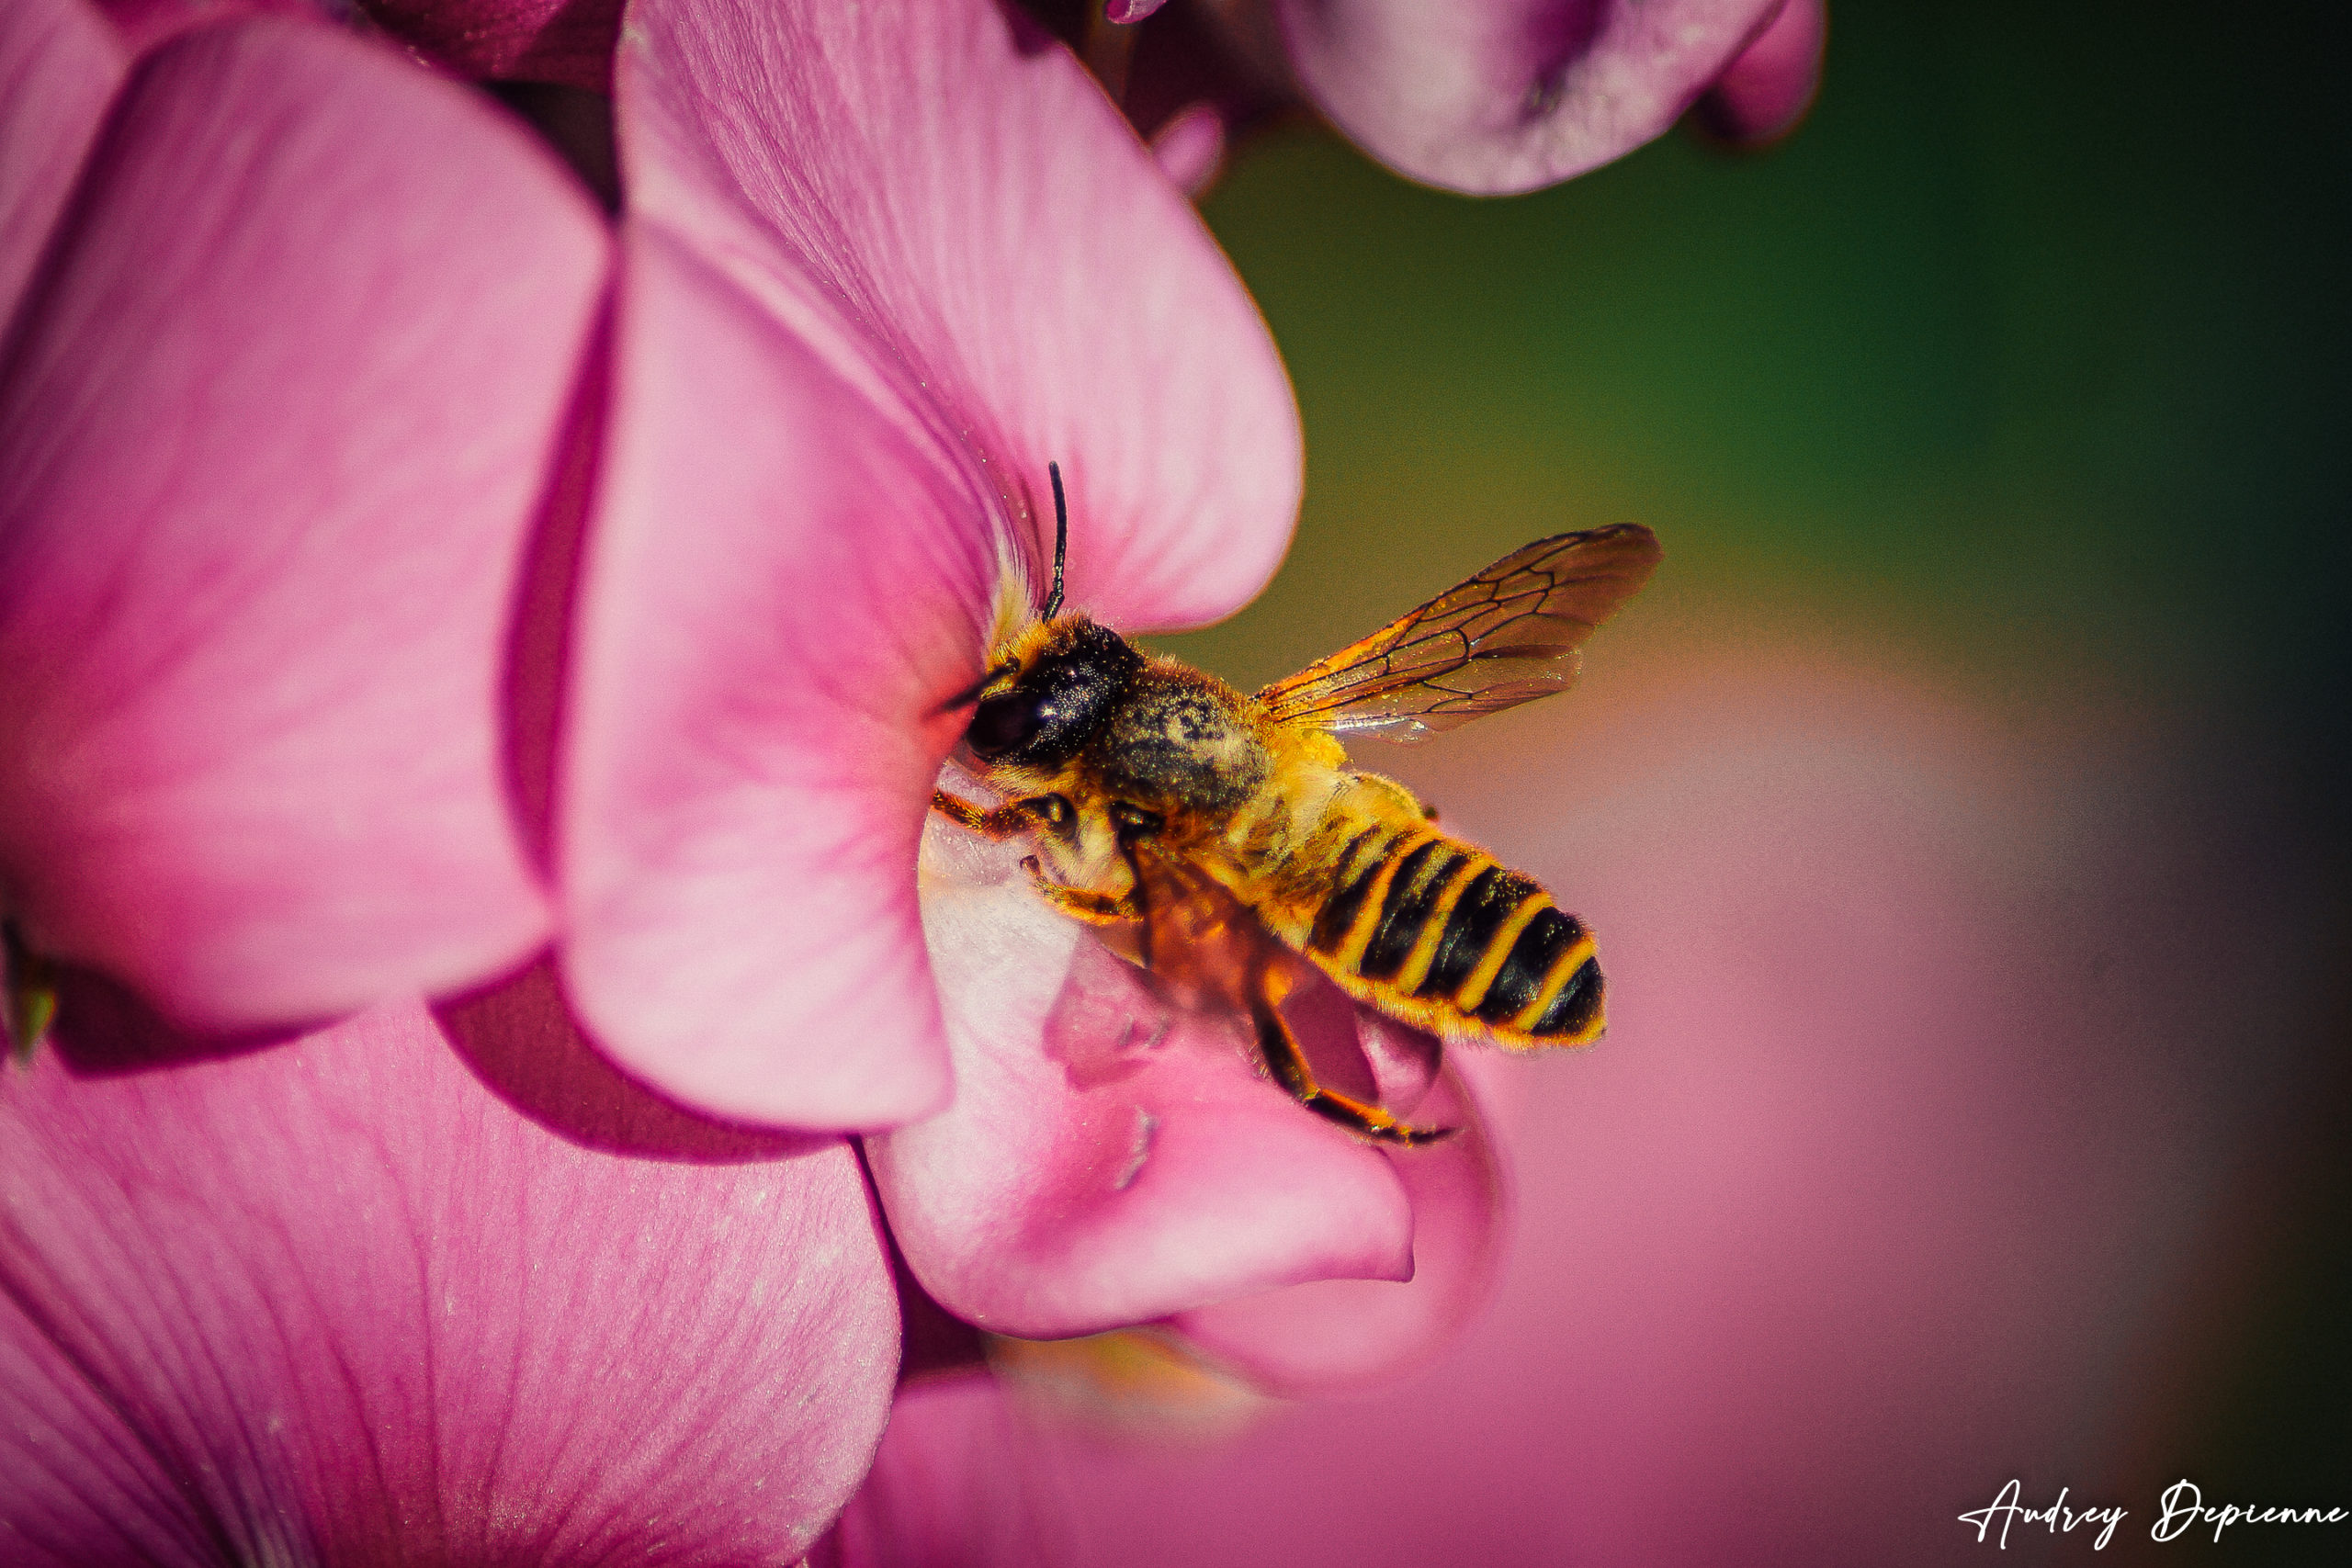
x=1058 y=682
x=1052 y=688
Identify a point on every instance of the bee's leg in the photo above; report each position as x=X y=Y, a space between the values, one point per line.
x=1004 y=822
x=1288 y=1062
x=1096 y=908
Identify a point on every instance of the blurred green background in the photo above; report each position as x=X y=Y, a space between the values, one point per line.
x=2032 y=340
x=2023 y=363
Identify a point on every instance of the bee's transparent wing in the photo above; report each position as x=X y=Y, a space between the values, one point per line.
x=1201 y=940
x=1503 y=637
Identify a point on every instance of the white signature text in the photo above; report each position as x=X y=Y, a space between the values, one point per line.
x=2008 y=1510
x=2185 y=1510
x=2182 y=1509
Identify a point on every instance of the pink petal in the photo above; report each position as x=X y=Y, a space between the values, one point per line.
x=1130 y=11
x=569 y=41
x=273 y=437
x=1140 y=1164
x=337 y=1304
x=940 y=199
x=59 y=68
x=1191 y=147
x=1336 y=1335
x=1507 y=96
x=1769 y=88
x=773 y=596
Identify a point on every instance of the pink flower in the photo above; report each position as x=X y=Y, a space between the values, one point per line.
x=281 y=394
x=1514 y=94
x=1494 y=97
x=338 y=1302
x=414 y=573
x=1490 y=97
x=277 y=414
x=859 y=313
x=857 y=316
x=298 y=430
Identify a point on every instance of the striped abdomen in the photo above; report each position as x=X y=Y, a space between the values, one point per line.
x=1439 y=934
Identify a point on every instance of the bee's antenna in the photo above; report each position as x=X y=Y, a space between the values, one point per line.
x=968 y=696
x=1061 y=540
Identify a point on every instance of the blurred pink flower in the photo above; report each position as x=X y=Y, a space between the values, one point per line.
x=1764 y=92
x=1514 y=94
x=414 y=571
x=1490 y=97
x=1869 y=1202
x=337 y=1303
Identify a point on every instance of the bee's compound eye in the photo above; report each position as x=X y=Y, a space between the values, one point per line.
x=1004 y=722
x=1133 y=821
x=1054 y=810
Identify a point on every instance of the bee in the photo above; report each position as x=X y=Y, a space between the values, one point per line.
x=1230 y=831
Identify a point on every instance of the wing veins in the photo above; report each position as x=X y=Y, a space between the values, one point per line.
x=1501 y=625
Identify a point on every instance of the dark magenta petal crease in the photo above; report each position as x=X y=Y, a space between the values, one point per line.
x=566 y=41
x=59 y=67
